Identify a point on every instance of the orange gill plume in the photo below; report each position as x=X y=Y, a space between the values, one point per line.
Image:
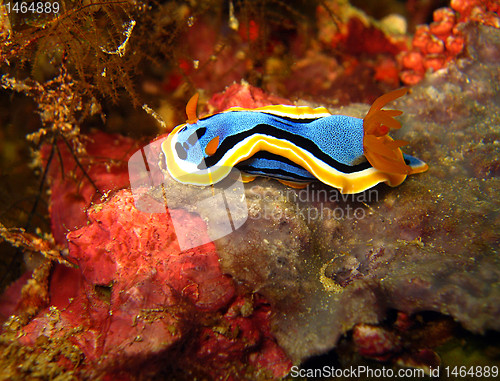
x=381 y=150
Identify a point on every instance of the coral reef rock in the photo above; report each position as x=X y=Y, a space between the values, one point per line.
x=327 y=262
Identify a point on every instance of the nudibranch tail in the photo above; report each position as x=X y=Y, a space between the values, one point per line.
x=381 y=151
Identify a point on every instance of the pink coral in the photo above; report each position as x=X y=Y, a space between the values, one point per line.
x=141 y=296
x=105 y=162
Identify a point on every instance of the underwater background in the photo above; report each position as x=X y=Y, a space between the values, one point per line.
x=391 y=279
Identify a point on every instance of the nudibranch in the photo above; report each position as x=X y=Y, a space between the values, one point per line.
x=293 y=144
